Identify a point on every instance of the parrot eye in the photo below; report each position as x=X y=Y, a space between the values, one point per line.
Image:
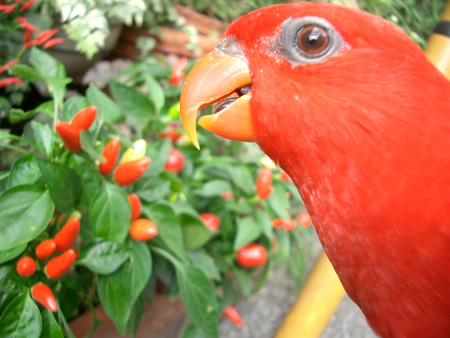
x=313 y=40
x=308 y=40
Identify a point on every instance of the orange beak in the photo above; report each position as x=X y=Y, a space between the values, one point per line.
x=214 y=78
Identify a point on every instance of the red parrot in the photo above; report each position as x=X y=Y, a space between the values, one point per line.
x=354 y=112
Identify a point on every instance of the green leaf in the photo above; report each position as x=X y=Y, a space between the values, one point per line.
x=244 y=281
x=119 y=291
x=242 y=178
x=136 y=105
x=7 y=284
x=202 y=260
x=21 y=318
x=259 y=282
x=230 y=293
x=213 y=188
x=150 y=190
x=169 y=228
x=25 y=212
x=113 y=291
x=46 y=108
x=107 y=109
x=25 y=72
x=73 y=105
x=155 y=91
x=91 y=181
x=199 y=298
x=63 y=183
x=17 y=115
x=284 y=245
x=195 y=233
x=88 y=147
x=42 y=137
x=137 y=312
x=239 y=207
x=192 y=331
x=140 y=268
x=7 y=255
x=263 y=219
x=46 y=65
x=24 y=171
x=110 y=213
x=50 y=327
x=103 y=256
x=247 y=231
x=278 y=201
x=57 y=88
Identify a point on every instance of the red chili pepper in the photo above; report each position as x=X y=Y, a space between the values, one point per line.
x=290 y=225
x=177 y=76
x=29 y=43
x=136 y=206
x=45 y=249
x=27 y=36
x=264 y=183
x=84 y=118
x=21 y=19
x=278 y=223
x=8 y=65
x=305 y=220
x=172 y=132
x=27 y=6
x=233 y=315
x=7 y=9
x=69 y=135
x=143 y=229
x=68 y=234
x=228 y=195
x=285 y=177
x=45 y=35
x=26 y=266
x=211 y=221
x=59 y=265
x=53 y=42
x=10 y=81
x=252 y=255
x=44 y=295
x=70 y=132
x=129 y=172
x=175 y=161
x=29 y=27
x=110 y=153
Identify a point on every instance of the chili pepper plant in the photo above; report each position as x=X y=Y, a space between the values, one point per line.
x=93 y=215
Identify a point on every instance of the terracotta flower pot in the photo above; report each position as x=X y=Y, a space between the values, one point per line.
x=163 y=318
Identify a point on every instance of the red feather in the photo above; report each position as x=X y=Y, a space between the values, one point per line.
x=365 y=136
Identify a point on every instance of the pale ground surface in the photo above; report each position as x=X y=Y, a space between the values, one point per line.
x=264 y=312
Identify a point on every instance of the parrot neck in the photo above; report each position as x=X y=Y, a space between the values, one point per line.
x=374 y=175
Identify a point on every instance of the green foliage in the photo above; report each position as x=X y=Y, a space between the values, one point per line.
x=47 y=184
x=416 y=17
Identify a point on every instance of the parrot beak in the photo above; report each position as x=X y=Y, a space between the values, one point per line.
x=214 y=78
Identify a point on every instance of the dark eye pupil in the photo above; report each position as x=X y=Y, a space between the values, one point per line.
x=313 y=39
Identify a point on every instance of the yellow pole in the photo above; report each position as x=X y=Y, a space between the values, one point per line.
x=322 y=292
x=315 y=304
x=438 y=47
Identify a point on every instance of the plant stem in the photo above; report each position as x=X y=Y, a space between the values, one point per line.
x=15 y=148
